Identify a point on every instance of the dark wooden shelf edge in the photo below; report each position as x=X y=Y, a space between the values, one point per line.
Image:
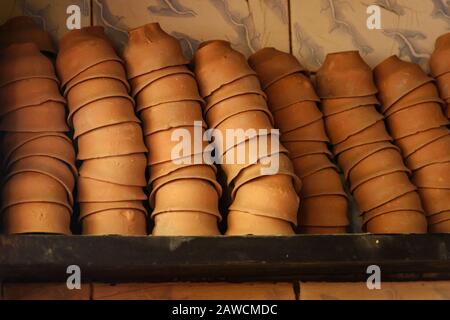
x=301 y=257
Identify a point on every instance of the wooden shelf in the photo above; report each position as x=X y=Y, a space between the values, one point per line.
x=300 y=257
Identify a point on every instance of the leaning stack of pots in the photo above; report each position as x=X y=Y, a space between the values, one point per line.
x=184 y=191
x=413 y=112
x=108 y=134
x=293 y=103
x=372 y=165
x=260 y=178
x=440 y=68
x=38 y=159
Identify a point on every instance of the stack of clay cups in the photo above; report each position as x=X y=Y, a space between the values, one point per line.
x=263 y=201
x=108 y=133
x=292 y=101
x=412 y=107
x=372 y=165
x=440 y=68
x=38 y=159
x=184 y=191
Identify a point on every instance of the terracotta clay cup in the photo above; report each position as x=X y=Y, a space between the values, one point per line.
x=323 y=182
x=343 y=125
x=324 y=211
x=380 y=190
x=302 y=148
x=26 y=187
x=125 y=222
x=244 y=85
x=344 y=75
x=151 y=41
x=22 y=29
x=115 y=140
x=311 y=132
x=309 y=164
x=271 y=196
x=140 y=82
x=87 y=208
x=375 y=133
x=187 y=195
x=383 y=162
x=36 y=217
x=27 y=93
x=125 y=170
x=271 y=65
x=103 y=113
x=235 y=105
x=81 y=49
x=297 y=115
x=395 y=78
x=436 y=175
x=441 y=227
x=171 y=115
x=435 y=200
x=398 y=222
x=414 y=119
x=439 y=58
x=217 y=64
x=172 y=88
x=438 y=218
x=289 y=90
x=48 y=116
x=111 y=69
x=185 y=223
x=243 y=223
x=24 y=61
x=91 y=190
x=443 y=83
x=416 y=141
x=434 y=152
x=333 y=106
x=322 y=230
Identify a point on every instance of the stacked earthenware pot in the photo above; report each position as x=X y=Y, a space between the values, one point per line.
x=440 y=68
x=184 y=191
x=372 y=165
x=292 y=101
x=414 y=115
x=37 y=157
x=263 y=200
x=108 y=133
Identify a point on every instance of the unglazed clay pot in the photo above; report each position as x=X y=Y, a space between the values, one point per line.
x=398 y=222
x=343 y=125
x=125 y=170
x=374 y=133
x=87 y=208
x=172 y=88
x=435 y=200
x=171 y=115
x=302 y=148
x=36 y=217
x=149 y=49
x=309 y=164
x=272 y=196
x=395 y=78
x=48 y=116
x=115 y=140
x=81 y=49
x=441 y=227
x=140 y=82
x=443 y=83
x=344 y=75
x=24 y=61
x=439 y=58
x=324 y=210
x=91 y=190
x=217 y=64
x=111 y=69
x=322 y=230
x=243 y=223
x=103 y=113
x=22 y=29
x=311 y=132
x=187 y=195
x=380 y=190
x=334 y=106
x=126 y=222
x=436 y=175
x=185 y=223
x=289 y=90
x=28 y=92
x=271 y=65
x=417 y=118
x=438 y=218
x=323 y=182
x=297 y=115
x=434 y=152
x=416 y=141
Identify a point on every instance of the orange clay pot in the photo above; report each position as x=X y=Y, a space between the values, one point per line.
x=438 y=218
x=436 y=175
x=438 y=61
x=324 y=211
x=398 y=222
x=87 y=208
x=311 y=132
x=442 y=227
x=443 y=83
x=414 y=142
x=124 y=222
x=434 y=152
x=242 y=223
x=309 y=164
x=185 y=223
x=302 y=148
x=323 y=182
x=338 y=105
x=90 y=190
x=297 y=115
x=435 y=200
